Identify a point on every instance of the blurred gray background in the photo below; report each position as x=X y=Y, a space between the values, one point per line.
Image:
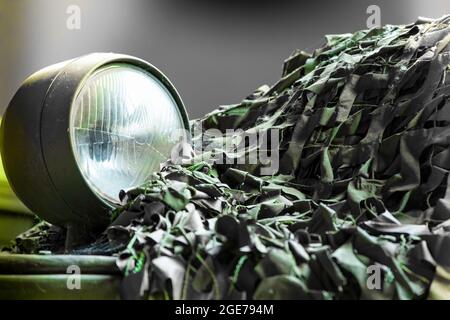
x=215 y=52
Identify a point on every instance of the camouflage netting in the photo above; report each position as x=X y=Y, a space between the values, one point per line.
x=362 y=190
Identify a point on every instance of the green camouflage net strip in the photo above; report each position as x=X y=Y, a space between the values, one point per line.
x=363 y=188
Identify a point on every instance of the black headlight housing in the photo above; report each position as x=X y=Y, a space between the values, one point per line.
x=36 y=149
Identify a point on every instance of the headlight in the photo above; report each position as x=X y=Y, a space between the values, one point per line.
x=78 y=132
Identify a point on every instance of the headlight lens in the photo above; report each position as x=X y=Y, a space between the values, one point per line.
x=120 y=127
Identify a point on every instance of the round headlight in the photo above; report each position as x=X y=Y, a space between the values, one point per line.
x=78 y=132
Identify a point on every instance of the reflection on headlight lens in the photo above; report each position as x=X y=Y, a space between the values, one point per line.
x=120 y=128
